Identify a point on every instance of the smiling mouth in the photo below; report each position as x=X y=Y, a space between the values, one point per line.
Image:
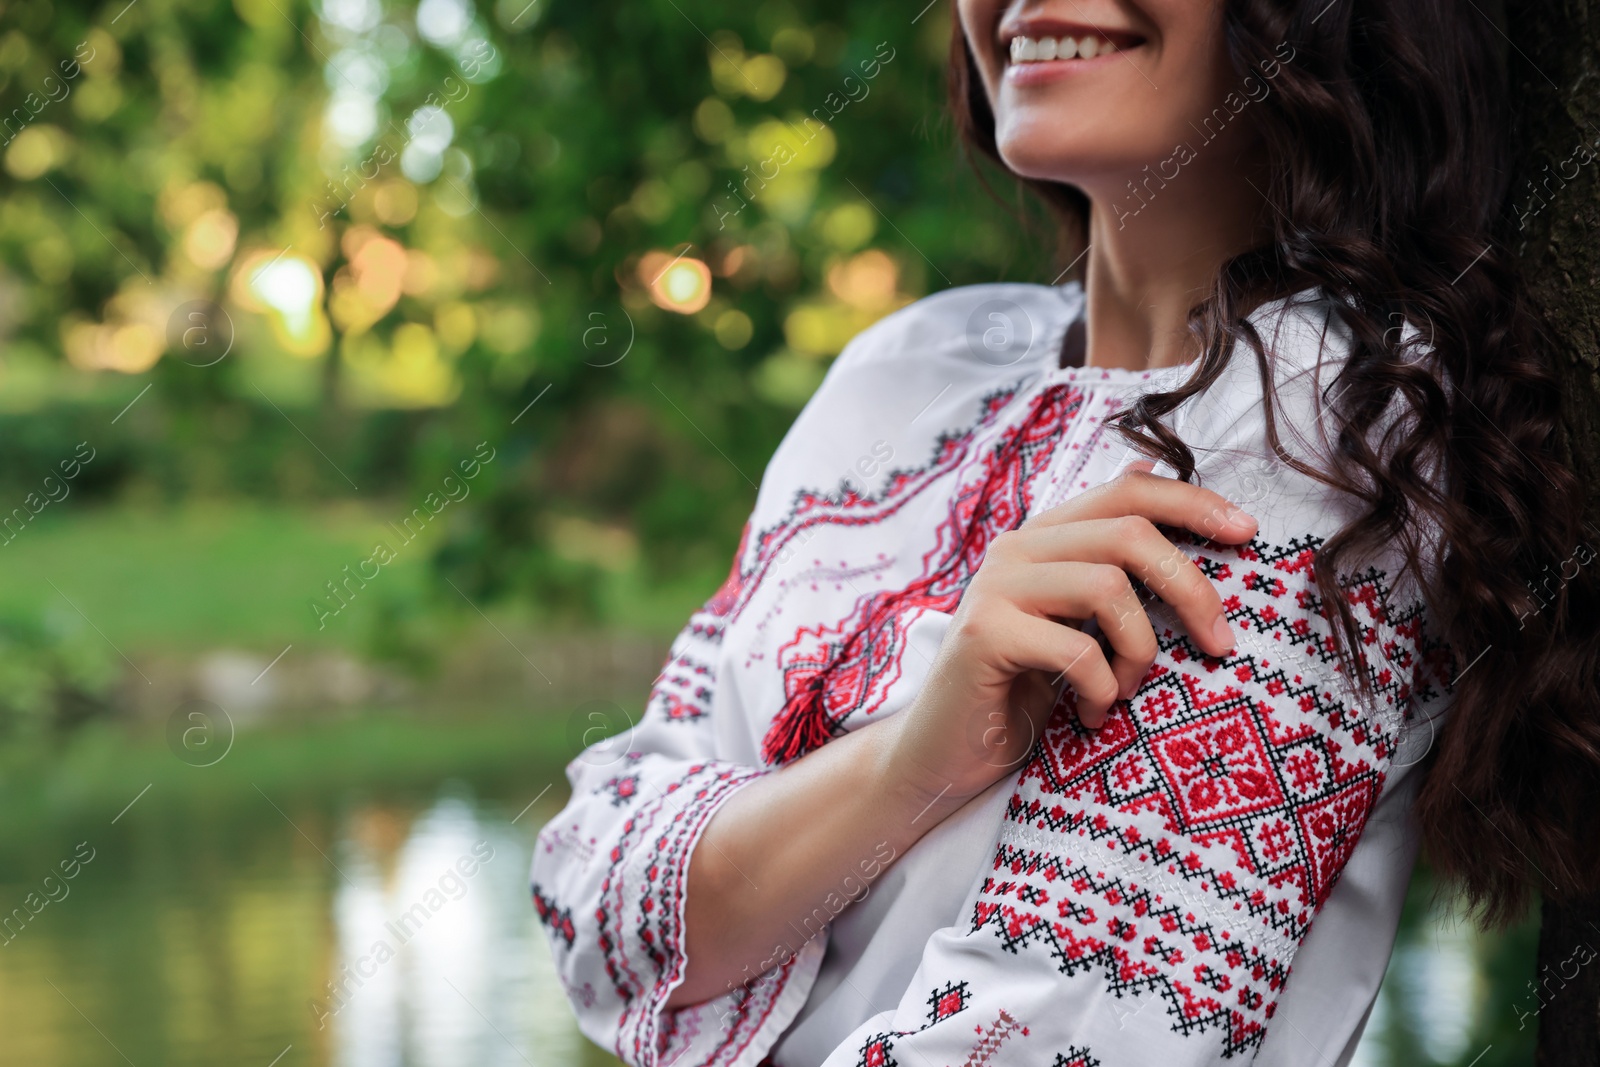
x=1040 y=47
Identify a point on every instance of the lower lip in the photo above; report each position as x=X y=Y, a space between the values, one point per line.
x=1049 y=70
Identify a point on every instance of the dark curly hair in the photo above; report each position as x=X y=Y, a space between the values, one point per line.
x=1387 y=137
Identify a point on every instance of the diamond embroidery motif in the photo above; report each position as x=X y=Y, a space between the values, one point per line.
x=945 y=1002
x=1218 y=768
x=1202 y=827
x=1331 y=827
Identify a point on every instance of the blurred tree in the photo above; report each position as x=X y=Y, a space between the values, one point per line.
x=622 y=251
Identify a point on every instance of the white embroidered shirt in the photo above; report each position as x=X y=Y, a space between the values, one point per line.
x=1214 y=875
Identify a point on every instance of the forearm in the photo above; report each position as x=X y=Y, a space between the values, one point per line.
x=788 y=852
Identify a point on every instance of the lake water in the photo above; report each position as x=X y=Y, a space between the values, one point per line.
x=358 y=935
x=395 y=931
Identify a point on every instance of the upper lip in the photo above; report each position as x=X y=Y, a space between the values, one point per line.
x=1041 y=26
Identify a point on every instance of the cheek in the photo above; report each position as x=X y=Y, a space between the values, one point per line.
x=1194 y=62
x=978 y=20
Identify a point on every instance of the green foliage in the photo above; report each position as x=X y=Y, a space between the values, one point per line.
x=190 y=580
x=53 y=676
x=796 y=149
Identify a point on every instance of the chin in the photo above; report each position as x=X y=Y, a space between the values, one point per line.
x=1061 y=156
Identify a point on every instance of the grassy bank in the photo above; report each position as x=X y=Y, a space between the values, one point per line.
x=235 y=574
x=78 y=788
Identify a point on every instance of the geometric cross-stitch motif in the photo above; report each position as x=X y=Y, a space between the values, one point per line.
x=1185 y=846
x=877 y=1050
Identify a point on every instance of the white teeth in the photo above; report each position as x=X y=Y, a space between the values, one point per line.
x=1043 y=49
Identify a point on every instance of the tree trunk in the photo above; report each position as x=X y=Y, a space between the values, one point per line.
x=1569 y=1024
x=1551 y=53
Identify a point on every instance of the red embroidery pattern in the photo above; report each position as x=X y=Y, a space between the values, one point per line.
x=682 y=691
x=943 y=1003
x=556 y=919
x=834 y=671
x=1185 y=847
x=989 y=1042
x=1140 y=940
x=622 y=788
x=645 y=885
x=1075 y=1056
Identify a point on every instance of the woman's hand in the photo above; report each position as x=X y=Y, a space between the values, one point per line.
x=875 y=791
x=1014 y=636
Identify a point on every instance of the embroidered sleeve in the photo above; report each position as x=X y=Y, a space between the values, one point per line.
x=609 y=875
x=1152 y=880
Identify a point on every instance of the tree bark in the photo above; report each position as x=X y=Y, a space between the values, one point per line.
x=1568 y=985
x=1552 y=48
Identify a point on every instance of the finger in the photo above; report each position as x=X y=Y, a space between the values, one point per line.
x=1069 y=653
x=1134 y=544
x=1082 y=590
x=1163 y=500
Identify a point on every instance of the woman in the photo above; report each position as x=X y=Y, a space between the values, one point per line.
x=998 y=745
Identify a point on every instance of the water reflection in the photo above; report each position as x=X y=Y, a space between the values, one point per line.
x=235 y=933
x=1431 y=996
x=440 y=960
x=1443 y=981
x=1445 y=996
x=394 y=933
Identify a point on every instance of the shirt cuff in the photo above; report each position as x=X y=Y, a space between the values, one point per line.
x=646 y=896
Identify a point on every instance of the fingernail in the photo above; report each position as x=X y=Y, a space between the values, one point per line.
x=1239 y=515
x=1223 y=632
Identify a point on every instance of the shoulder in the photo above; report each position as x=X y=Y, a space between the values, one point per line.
x=982 y=328
x=1302 y=330
x=1304 y=342
x=1284 y=402
x=905 y=380
x=952 y=347
x=1303 y=345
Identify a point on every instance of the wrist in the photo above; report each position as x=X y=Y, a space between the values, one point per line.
x=924 y=795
